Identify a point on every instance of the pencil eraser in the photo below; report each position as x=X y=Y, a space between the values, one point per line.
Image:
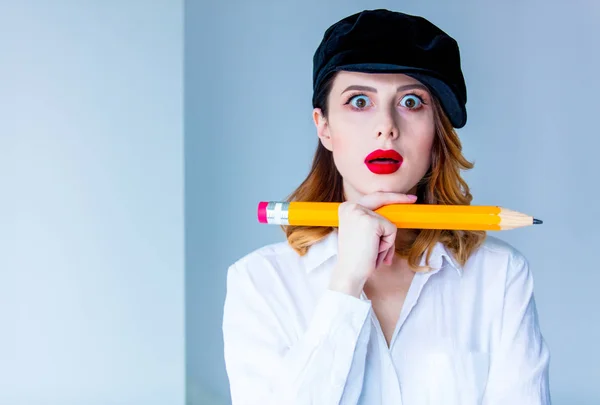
x=262 y=212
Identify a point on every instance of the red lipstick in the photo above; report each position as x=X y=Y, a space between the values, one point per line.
x=383 y=161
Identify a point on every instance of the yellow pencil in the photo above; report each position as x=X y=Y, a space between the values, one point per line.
x=410 y=216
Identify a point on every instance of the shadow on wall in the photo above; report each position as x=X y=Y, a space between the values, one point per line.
x=200 y=395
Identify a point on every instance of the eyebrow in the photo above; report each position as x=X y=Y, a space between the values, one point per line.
x=374 y=90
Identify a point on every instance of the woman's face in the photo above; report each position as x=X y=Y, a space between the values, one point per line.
x=378 y=112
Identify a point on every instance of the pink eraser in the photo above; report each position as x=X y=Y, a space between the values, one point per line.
x=262 y=212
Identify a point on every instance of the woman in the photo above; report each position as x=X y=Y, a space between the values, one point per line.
x=367 y=313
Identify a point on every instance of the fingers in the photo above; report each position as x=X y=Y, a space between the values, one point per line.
x=376 y=200
x=387 y=243
x=385 y=257
x=360 y=218
x=390 y=255
x=380 y=259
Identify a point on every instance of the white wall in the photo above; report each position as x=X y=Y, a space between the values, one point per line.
x=91 y=146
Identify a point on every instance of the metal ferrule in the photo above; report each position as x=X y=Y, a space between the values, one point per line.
x=277 y=213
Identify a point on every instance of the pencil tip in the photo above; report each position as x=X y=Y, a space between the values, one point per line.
x=537 y=221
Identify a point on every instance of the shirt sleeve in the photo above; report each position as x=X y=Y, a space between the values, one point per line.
x=265 y=368
x=519 y=367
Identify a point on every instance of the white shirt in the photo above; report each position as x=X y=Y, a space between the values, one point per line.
x=465 y=336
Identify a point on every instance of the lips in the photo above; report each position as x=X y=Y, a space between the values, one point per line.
x=383 y=161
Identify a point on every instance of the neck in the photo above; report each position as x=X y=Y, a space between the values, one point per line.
x=405 y=238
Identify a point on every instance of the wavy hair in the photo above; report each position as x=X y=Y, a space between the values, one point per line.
x=442 y=184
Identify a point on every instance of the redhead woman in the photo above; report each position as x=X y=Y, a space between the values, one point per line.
x=366 y=313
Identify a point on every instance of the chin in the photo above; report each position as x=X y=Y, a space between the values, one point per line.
x=384 y=189
x=389 y=185
x=367 y=184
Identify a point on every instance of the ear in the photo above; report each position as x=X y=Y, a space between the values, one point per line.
x=322 y=129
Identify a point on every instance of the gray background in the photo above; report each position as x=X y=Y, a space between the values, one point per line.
x=91 y=213
x=531 y=71
x=92 y=161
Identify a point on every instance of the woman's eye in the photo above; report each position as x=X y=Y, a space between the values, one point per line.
x=359 y=101
x=411 y=101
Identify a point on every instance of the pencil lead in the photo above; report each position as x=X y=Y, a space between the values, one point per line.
x=537 y=221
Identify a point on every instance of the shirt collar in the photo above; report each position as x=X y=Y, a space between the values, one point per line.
x=439 y=253
x=326 y=248
x=321 y=251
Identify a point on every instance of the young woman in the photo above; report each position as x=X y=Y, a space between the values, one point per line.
x=367 y=313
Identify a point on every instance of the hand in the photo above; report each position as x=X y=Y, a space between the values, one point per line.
x=365 y=240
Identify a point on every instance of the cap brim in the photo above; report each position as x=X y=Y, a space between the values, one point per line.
x=454 y=108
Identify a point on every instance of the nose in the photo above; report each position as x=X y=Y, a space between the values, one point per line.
x=387 y=126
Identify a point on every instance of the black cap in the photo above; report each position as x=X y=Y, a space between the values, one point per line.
x=383 y=41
